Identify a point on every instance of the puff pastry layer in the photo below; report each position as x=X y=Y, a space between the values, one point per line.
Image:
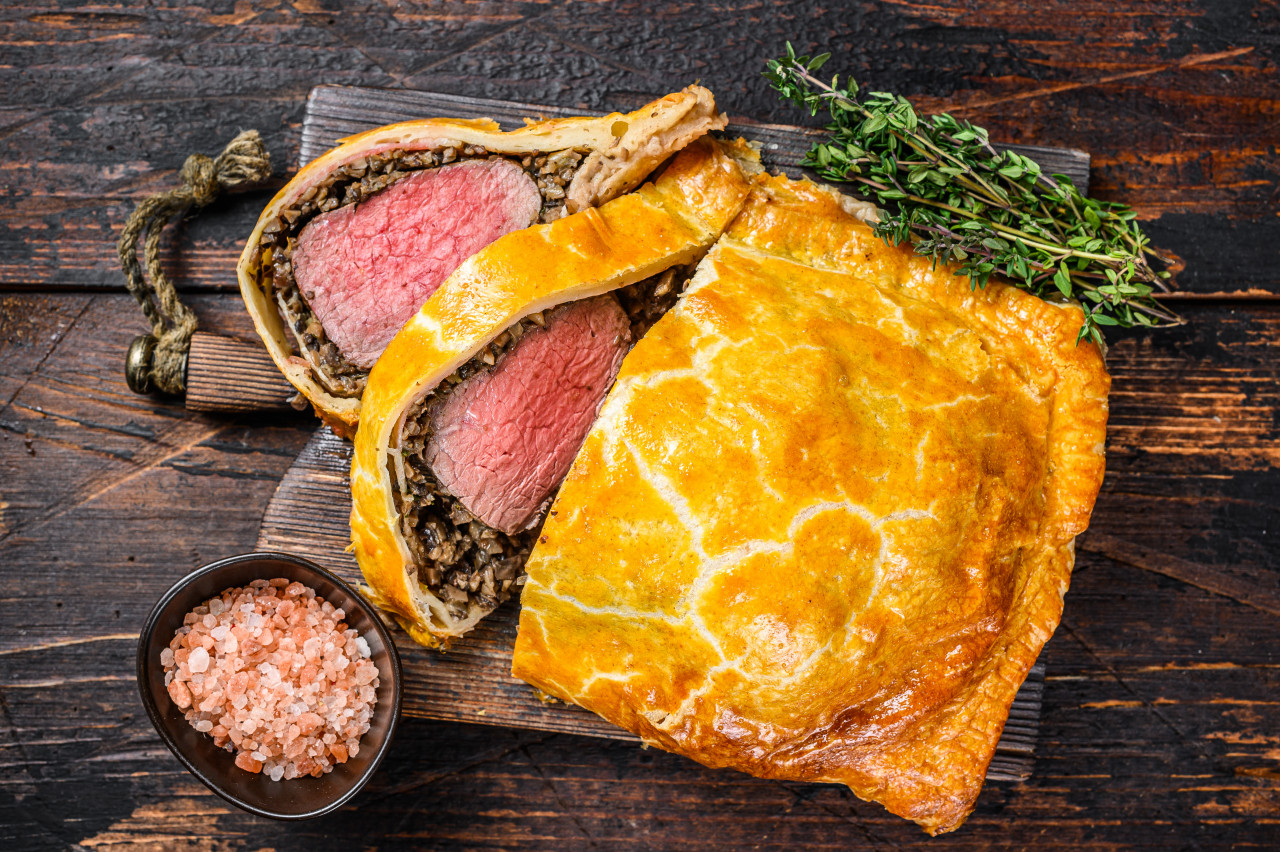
x=669 y=222
x=824 y=523
x=623 y=150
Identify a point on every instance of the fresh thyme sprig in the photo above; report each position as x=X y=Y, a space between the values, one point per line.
x=957 y=199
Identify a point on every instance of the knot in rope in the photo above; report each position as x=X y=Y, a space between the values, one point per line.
x=159 y=360
x=200 y=179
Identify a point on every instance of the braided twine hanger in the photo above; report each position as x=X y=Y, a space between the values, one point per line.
x=158 y=361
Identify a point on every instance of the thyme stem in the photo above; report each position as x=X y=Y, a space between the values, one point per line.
x=944 y=188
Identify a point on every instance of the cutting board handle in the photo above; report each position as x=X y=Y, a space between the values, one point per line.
x=226 y=374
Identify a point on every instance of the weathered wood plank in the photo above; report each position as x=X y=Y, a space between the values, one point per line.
x=233 y=375
x=1189 y=138
x=161 y=488
x=449 y=785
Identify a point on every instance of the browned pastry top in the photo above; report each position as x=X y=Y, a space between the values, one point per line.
x=825 y=521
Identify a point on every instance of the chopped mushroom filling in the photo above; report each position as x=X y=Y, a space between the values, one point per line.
x=646 y=301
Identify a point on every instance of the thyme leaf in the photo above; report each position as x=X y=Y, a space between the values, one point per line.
x=945 y=189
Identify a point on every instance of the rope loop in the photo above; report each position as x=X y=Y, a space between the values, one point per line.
x=159 y=360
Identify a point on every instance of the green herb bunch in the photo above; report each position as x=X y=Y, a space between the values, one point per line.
x=957 y=199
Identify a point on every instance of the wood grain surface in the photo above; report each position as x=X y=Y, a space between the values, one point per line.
x=1161 y=707
x=229 y=375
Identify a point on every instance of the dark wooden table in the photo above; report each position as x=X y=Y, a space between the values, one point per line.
x=1161 y=721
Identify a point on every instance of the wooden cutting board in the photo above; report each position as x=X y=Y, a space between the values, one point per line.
x=308 y=514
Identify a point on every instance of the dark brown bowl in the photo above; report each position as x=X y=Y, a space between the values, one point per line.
x=299 y=798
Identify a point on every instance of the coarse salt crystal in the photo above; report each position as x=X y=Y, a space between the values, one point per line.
x=180 y=694
x=199 y=660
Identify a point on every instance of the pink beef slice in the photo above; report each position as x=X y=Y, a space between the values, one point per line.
x=504 y=439
x=366 y=268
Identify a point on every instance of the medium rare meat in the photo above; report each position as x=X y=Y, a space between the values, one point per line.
x=367 y=268
x=504 y=439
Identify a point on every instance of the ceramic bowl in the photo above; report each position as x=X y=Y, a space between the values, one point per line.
x=299 y=798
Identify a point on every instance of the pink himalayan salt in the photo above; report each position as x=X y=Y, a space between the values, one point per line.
x=272 y=672
x=198 y=662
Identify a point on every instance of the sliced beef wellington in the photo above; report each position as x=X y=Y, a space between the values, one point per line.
x=361 y=237
x=475 y=411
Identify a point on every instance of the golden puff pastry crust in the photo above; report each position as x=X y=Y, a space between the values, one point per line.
x=669 y=222
x=824 y=523
x=624 y=149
